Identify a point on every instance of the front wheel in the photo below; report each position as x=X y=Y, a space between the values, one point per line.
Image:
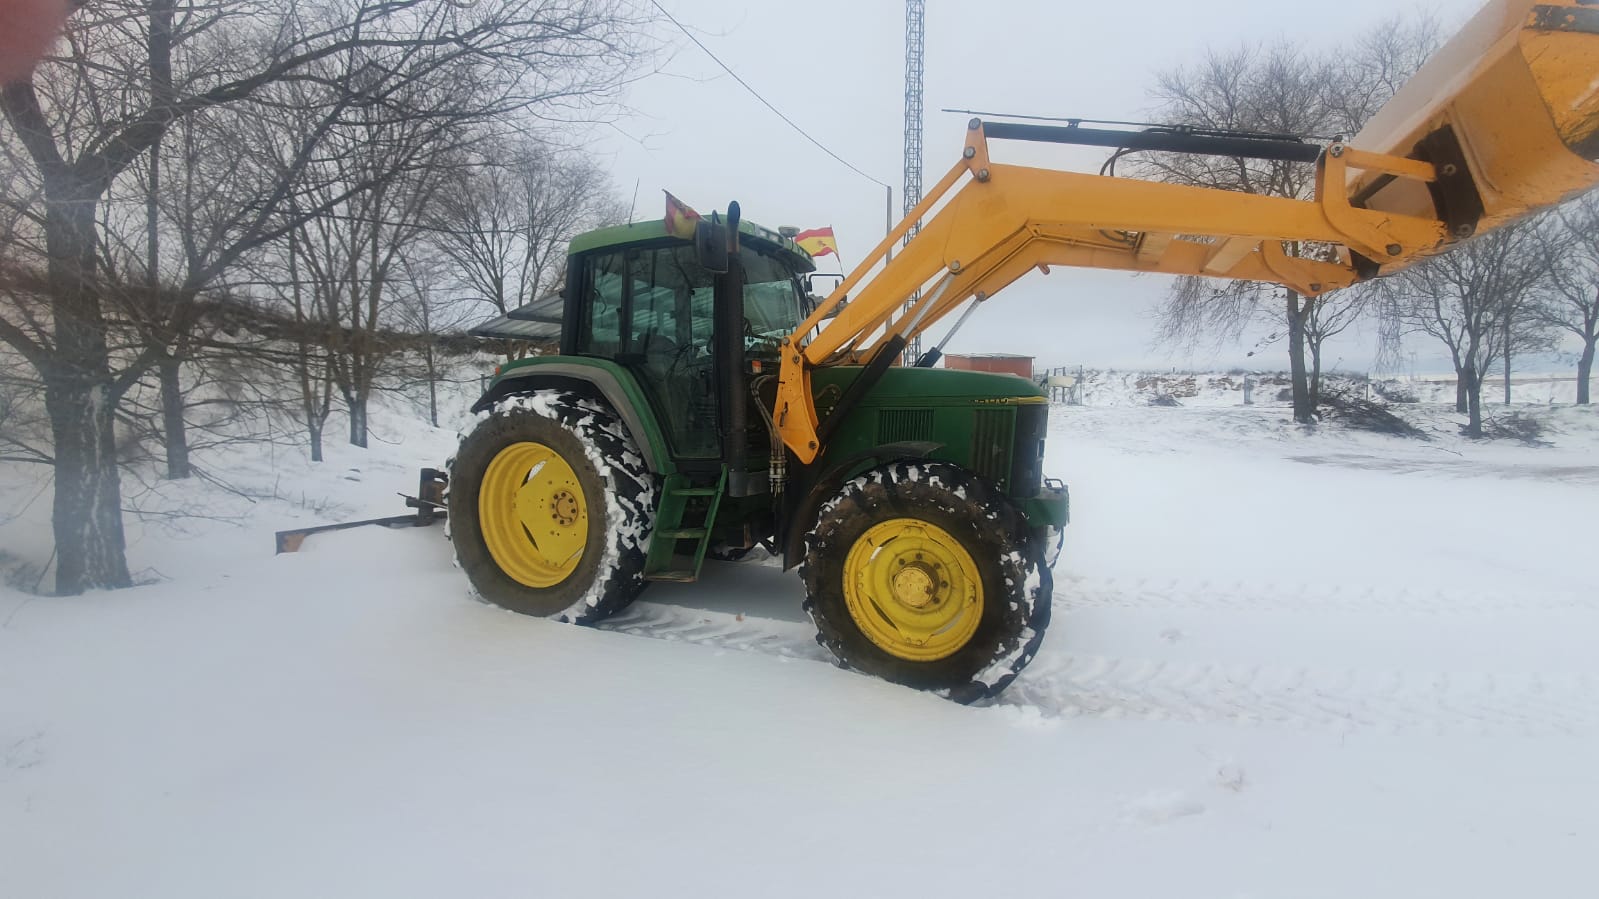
x=924 y=575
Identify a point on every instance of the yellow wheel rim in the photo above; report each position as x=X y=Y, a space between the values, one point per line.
x=533 y=515
x=913 y=589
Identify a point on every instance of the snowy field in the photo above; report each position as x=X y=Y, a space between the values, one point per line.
x=1282 y=664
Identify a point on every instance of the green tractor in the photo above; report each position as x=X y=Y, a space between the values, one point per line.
x=923 y=529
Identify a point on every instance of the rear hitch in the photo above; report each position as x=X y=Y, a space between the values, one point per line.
x=430 y=504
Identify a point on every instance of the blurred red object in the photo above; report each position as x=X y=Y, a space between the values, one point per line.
x=27 y=29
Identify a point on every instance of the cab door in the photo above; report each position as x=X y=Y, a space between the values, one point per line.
x=650 y=309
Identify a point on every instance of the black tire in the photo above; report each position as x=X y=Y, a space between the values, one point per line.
x=1017 y=586
x=615 y=484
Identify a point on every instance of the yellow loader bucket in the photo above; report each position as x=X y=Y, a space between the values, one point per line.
x=1510 y=103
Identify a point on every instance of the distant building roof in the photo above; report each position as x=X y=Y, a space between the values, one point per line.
x=990 y=355
x=538 y=320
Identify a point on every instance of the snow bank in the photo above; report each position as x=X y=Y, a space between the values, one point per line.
x=1106 y=387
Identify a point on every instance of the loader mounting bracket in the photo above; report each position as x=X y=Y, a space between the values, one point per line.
x=1454 y=194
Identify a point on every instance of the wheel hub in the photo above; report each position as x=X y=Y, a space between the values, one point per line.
x=563 y=508
x=913 y=586
x=532 y=514
x=913 y=589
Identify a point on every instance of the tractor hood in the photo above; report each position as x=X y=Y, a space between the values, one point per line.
x=903 y=386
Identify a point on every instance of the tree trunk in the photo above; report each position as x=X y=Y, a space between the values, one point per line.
x=1315 y=374
x=174 y=433
x=1584 y=372
x=1507 y=360
x=88 y=493
x=433 y=383
x=1304 y=407
x=357 y=405
x=87 y=517
x=1474 y=402
x=316 y=414
x=1461 y=393
x=314 y=402
x=313 y=430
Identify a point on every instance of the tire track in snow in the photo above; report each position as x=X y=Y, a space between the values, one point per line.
x=1310 y=699
x=791 y=639
x=1296 y=698
x=1108 y=593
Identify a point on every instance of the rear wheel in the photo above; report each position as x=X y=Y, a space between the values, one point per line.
x=921 y=574
x=551 y=507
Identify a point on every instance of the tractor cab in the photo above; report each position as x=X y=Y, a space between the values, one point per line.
x=693 y=337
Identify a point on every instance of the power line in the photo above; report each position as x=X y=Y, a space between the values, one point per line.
x=756 y=94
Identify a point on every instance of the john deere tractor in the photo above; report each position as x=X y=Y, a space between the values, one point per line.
x=704 y=403
x=924 y=530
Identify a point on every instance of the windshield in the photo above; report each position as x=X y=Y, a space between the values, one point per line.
x=772 y=296
x=671 y=300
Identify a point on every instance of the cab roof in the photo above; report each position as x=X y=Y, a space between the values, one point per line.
x=766 y=240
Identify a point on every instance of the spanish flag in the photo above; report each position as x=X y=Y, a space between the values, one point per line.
x=680 y=218
x=817 y=241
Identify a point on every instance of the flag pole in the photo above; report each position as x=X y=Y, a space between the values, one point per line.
x=838 y=255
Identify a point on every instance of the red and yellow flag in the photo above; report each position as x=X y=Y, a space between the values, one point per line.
x=817 y=241
x=680 y=218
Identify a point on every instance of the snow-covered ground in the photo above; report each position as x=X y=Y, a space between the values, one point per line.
x=1283 y=663
x=1106 y=387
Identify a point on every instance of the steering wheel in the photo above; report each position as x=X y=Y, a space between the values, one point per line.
x=752 y=339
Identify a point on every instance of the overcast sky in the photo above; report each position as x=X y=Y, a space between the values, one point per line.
x=837 y=68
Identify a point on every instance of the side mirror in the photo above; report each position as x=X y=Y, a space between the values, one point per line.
x=710 y=245
x=819 y=286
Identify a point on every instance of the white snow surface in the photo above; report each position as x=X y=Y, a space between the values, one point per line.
x=1282 y=663
x=1106 y=387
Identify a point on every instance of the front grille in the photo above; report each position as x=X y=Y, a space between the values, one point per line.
x=898 y=425
x=1027 y=464
x=991 y=438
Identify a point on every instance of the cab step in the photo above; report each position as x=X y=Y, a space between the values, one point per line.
x=663 y=561
x=680 y=576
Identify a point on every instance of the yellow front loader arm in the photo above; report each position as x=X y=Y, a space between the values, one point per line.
x=1502 y=121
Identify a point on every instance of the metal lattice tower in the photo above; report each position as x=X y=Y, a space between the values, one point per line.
x=913 y=132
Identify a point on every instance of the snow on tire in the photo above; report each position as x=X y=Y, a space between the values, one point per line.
x=857 y=597
x=608 y=507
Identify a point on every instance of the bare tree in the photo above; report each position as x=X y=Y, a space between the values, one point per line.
x=1332 y=314
x=1276 y=91
x=304 y=345
x=427 y=311
x=1569 y=301
x=506 y=220
x=1473 y=300
x=1279 y=90
x=353 y=251
x=1367 y=73
x=129 y=76
x=313 y=358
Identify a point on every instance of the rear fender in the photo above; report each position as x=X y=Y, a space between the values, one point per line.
x=597 y=379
